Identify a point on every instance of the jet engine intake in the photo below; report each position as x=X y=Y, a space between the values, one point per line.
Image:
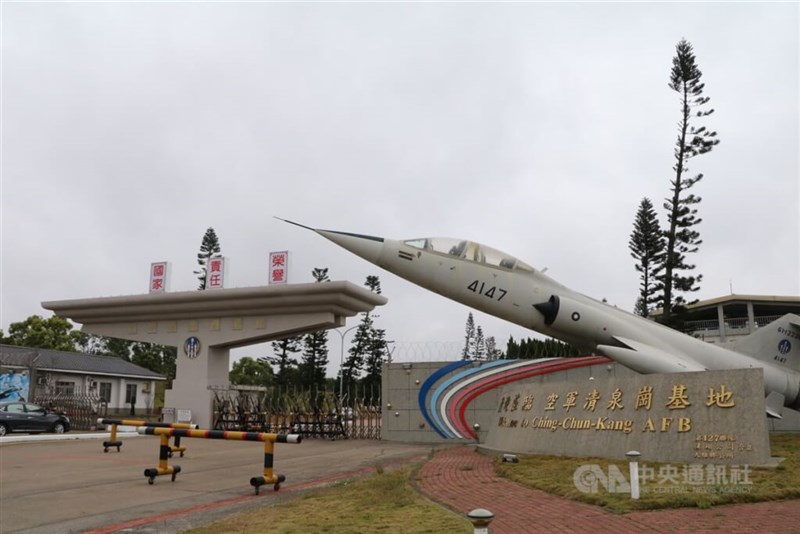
x=549 y=309
x=580 y=319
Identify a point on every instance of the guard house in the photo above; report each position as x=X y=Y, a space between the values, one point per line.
x=206 y=325
x=721 y=319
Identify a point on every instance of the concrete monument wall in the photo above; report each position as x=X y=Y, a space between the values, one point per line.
x=702 y=417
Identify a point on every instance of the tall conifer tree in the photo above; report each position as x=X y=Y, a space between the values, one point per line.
x=647 y=248
x=469 y=338
x=283 y=349
x=681 y=236
x=375 y=347
x=209 y=248
x=315 y=348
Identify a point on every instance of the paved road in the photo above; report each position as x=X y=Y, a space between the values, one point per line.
x=72 y=486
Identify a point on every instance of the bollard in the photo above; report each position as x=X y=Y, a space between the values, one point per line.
x=163 y=467
x=269 y=440
x=633 y=457
x=112 y=441
x=268 y=477
x=480 y=519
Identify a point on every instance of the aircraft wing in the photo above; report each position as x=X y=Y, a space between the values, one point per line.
x=647 y=359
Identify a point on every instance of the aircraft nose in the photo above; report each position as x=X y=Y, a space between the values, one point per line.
x=367 y=246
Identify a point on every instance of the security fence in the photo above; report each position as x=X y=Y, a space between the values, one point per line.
x=310 y=412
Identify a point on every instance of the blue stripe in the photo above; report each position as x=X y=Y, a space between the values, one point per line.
x=428 y=384
x=452 y=380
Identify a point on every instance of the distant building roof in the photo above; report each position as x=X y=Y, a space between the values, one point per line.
x=769 y=300
x=736 y=305
x=73 y=362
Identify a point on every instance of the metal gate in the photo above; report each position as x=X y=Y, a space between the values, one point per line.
x=81 y=408
x=311 y=412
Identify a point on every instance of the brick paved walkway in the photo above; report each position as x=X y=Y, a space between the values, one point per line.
x=463 y=480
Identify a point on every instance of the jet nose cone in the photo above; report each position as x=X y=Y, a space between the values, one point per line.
x=367 y=246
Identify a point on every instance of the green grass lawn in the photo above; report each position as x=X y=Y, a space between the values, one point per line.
x=554 y=474
x=385 y=502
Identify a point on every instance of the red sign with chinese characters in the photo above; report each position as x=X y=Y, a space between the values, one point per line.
x=215 y=273
x=278 y=267
x=158 y=277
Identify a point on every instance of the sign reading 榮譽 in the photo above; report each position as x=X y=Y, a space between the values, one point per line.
x=278 y=267
x=711 y=416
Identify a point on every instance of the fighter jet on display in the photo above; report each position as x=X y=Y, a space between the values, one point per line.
x=501 y=285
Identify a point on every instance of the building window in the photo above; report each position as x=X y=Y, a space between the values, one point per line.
x=130 y=394
x=65 y=388
x=105 y=391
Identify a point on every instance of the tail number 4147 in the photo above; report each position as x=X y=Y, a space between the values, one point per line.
x=493 y=292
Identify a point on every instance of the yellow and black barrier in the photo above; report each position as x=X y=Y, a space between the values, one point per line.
x=163 y=454
x=114 y=442
x=269 y=446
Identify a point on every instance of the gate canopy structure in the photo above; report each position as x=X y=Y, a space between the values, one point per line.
x=206 y=325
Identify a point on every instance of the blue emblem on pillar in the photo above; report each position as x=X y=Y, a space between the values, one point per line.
x=191 y=347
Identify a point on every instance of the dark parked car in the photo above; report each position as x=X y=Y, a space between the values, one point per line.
x=27 y=417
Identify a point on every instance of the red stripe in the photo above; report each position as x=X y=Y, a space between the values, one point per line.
x=549 y=366
x=532 y=372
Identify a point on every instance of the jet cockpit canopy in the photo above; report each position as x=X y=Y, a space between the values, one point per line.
x=469 y=250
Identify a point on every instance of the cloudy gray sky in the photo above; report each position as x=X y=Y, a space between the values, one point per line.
x=128 y=129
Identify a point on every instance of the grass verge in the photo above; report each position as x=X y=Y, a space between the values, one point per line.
x=691 y=486
x=383 y=502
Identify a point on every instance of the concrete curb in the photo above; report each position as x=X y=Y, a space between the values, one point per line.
x=66 y=436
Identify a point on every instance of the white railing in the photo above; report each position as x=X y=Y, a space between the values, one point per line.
x=733 y=326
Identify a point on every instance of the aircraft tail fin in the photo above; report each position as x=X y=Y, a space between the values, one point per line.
x=778 y=342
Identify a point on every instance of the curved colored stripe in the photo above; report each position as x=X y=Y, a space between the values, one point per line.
x=550 y=366
x=574 y=363
x=481 y=375
x=434 y=402
x=428 y=384
x=563 y=365
x=523 y=368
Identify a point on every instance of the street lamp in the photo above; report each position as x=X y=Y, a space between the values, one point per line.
x=341 y=359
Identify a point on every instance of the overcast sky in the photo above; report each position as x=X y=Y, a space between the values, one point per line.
x=128 y=129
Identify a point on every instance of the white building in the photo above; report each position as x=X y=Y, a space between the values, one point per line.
x=36 y=373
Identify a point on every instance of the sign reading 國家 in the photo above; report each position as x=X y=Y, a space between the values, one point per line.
x=159 y=273
x=703 y=417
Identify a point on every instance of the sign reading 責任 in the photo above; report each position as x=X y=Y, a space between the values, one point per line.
x=701 y=417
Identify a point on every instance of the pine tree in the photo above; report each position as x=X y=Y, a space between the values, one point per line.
x=357 y=353
x=283 y=349
x=375 y=345
x=209 y=248
x=512 y=349
x=681 y=237
x=536 y=348
x=647 y=248
x=469 y=338
x=492 y=352
x=315 y=348
x=480 y=344
x=377 y=353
